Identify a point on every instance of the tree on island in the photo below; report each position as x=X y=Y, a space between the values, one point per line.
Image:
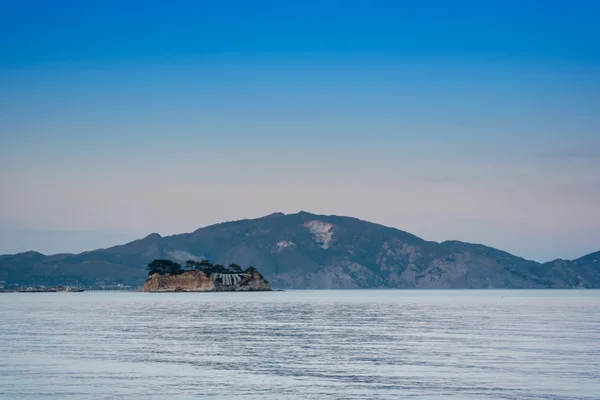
x=190 y=265
x=164 y=267
x=170 y=267
x=235 y=268
x=204 y=264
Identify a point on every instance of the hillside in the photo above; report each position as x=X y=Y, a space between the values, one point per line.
x=304 y=250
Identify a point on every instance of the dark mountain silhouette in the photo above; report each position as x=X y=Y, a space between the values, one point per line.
x=304 y=250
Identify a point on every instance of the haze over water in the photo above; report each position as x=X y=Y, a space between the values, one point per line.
x=302 y=345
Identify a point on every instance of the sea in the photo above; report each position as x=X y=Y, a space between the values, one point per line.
x=328 y=344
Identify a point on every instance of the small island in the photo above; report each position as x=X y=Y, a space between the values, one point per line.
x=202 y=276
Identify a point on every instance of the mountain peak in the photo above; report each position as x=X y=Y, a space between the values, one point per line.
x=275 y=214
x=153 y=236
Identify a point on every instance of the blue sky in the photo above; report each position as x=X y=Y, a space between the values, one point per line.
x=476 y=121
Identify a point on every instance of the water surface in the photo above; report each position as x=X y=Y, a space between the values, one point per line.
x=388 y=344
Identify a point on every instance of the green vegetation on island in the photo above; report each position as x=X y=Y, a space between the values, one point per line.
x=163 y=267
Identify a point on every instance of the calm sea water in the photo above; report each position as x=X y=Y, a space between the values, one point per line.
x=301 y=345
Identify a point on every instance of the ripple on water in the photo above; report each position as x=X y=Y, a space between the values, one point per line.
x=302 y=345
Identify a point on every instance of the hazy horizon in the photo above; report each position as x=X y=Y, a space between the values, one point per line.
x=469 y=121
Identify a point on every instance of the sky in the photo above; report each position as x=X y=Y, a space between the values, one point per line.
x=472 y=120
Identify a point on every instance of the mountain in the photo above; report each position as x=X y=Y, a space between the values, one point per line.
x=304 y=250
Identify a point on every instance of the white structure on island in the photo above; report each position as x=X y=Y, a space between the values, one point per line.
x=229 y=279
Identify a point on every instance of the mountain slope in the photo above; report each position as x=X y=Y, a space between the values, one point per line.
x=304 y=250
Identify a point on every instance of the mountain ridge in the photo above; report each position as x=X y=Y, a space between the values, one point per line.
x=305 y=250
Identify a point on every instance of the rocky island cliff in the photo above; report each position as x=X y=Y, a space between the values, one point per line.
x=167 y=276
